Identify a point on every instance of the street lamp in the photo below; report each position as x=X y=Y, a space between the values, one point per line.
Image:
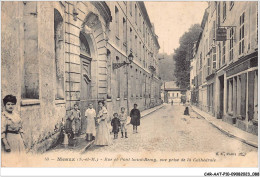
x=119 y=65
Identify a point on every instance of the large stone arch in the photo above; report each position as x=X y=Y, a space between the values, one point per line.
x=91 y=21
x=94 y=27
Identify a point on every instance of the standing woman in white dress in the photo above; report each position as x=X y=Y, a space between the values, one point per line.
x=90 y=115
x=103 y=135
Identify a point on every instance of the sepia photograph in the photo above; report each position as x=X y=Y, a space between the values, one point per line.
x=129 y=84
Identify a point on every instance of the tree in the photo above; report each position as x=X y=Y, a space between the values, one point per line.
x=183 y=55
x=166 y=67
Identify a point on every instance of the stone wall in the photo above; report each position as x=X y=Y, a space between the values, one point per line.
x=33 y=61
x=24 y=46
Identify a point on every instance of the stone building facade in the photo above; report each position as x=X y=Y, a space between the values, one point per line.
x=57 y=54
x=173 y=93
x=227 y=69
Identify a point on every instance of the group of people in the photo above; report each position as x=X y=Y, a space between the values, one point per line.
x=101 y=132
x=119 y=121
x=12 y=132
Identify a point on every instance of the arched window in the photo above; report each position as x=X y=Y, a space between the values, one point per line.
x=84 y=46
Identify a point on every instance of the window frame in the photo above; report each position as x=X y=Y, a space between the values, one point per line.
x=231 y=4
x=131 y=8
x=242 y=33
x=117 y=21
x=224 y=10
x=124 y=31
x=231 y=44
x=118 y=78
x=136 y=14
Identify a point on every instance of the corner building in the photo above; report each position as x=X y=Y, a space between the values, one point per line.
x=57 y=54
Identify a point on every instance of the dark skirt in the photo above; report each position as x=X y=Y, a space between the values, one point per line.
x=186 y=112
x=115 y=128
x=135 y=121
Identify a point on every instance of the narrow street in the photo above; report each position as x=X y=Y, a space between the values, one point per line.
x=169 y=130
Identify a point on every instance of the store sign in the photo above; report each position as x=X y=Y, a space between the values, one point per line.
x=221 y=34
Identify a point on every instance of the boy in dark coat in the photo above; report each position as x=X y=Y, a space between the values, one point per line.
x=115 y=123
x=135 y=118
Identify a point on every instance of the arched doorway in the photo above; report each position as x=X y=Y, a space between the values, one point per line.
x=92 y=62
x=85 y=91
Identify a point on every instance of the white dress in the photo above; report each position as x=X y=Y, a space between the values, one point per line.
x=103 y=134
x=90 y=115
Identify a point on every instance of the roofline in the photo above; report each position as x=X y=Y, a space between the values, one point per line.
x=175 y=89
x=146 y=16
x=204 y=19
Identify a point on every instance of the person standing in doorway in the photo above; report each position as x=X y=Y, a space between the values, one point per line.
x=90 y=115
x=135 y=118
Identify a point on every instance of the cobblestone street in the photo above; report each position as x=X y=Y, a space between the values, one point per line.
x=169 y=130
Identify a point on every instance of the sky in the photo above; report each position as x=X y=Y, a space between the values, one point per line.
x=172 y=19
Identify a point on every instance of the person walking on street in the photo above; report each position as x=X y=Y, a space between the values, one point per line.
x=123 y=120
x=90 y=115
x=135 y=118
x=115 y=123
x=103 y=134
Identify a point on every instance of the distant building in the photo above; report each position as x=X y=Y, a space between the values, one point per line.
x=173 y=93
x=224 y=70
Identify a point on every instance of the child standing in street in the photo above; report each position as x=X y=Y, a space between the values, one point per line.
x=115 y=123
x=123 y=120
x=135 y=118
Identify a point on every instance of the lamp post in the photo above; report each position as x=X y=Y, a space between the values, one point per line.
x=119 y=65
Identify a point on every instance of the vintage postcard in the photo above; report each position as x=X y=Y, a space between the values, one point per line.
x=129 y=84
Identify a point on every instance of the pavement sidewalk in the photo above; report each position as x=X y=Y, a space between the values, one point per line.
x=228 y=129
x=81 y=145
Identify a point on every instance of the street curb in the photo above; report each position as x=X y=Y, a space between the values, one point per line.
x=153 y=111
x=227 y=132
